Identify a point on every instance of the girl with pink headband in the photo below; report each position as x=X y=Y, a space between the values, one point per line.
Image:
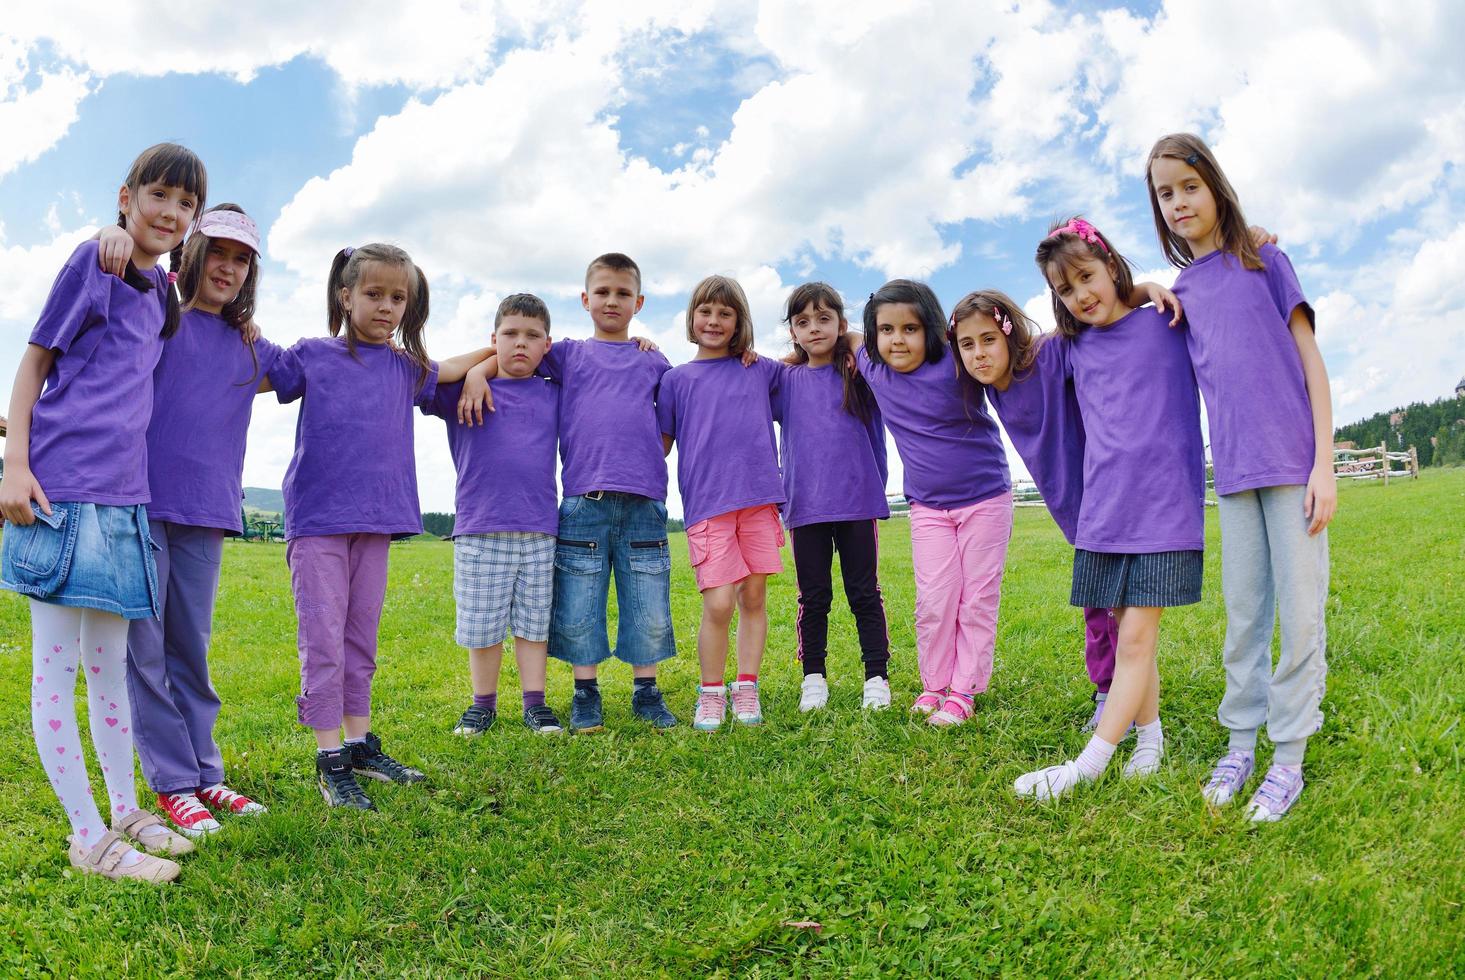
x=203 y=395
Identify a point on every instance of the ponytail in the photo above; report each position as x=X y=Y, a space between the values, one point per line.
x=171 y=317
x=414 y=324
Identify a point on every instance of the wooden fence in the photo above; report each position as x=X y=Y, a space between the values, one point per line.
x=1375 y=463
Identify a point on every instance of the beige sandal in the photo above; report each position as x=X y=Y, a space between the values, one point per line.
x=167 y=842
x=105 y=859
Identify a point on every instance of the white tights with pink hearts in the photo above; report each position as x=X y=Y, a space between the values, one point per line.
x=60 y=637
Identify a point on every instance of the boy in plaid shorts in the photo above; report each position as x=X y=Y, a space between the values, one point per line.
x=504 y=531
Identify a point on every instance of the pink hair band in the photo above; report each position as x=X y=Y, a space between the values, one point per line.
x=1085 y=232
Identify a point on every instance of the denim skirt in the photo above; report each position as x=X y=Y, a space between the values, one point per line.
x=93 y=556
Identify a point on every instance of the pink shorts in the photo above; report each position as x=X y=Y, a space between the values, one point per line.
x=730 y=547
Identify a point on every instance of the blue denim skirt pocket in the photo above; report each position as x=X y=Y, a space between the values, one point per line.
x=36 y=557
x=95 y=557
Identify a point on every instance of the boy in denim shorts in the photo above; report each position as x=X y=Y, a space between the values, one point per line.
x=504 y=530
x=612 y=520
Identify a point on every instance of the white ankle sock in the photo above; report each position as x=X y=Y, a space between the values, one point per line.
x=1094 y=758
x=1148 y=751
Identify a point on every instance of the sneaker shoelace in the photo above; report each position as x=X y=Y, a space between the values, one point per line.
x=225 y=797
x=1228 y=771
x=346 y=785
x=1274 y=791
x=710 y=704
x=187 y=808
x=745 y=700
x=385 y=763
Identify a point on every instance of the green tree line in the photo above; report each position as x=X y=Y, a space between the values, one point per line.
x=1442 y=420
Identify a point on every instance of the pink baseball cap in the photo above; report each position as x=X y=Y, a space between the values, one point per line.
x=231 y=225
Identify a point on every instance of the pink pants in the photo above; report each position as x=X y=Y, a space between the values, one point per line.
x=340 y=583
x=958 y=557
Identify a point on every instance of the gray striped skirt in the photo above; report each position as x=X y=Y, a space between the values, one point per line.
x=1108 y=581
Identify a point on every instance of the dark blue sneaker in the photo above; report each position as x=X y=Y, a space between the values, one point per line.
x=586 y=715
x=648 y=705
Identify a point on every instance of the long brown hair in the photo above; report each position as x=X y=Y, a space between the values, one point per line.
x=346 y=270
x=1191 y=149
x=1022 y=347
x=238 y=311
x=859 y=400
x=1062 y=250
x=171 y=165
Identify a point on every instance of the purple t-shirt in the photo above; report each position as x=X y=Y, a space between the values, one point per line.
x=203 y=395
x=88 y=438
x=1040 y=412
x=950 y=446
x=609 y=438
x=1249 y=368
x=354 y=470
x=721 y=415
x=505 y=466
x=833 y=464
x=1144 y=472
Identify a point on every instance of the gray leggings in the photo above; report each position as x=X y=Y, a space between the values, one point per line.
x=1270 y=565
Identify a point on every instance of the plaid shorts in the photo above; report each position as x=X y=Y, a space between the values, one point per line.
x=503 y=582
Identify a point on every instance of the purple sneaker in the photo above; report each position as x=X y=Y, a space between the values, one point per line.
x=1230 y=774
x=1276 y=794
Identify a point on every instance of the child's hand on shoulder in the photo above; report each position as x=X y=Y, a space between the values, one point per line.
x=1162 y=298
x=1260 y=236
x=750 y=357
x=645 y=345
x=1321 y=501
x=475 y=399
x=114 y=250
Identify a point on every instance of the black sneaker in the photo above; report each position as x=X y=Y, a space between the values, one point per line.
x=337 y=782
x=368 y=759
x=541 y=718
x=648 y=705
x=585 y=711
x=476 y=721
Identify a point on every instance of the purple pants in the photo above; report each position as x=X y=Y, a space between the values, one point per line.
x=340 y=582
x=1101 y=640
x=174 y=706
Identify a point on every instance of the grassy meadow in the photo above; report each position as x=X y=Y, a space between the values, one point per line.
x=633 y=852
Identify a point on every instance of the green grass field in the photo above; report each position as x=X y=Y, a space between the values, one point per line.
x=632 y=852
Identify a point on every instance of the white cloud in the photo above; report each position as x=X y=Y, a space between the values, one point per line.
x=36 y=107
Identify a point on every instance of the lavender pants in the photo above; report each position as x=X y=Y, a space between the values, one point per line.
x=174 y=706
x=1101 y=641
x=340 y=582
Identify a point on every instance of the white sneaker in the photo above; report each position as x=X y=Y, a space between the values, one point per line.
x=877 y=694
x=813 y=693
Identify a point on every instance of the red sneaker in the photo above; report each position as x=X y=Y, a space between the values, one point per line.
x=187 y=814
x=221 y=797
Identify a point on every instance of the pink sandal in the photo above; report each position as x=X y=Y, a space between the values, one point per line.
x=957 y=709
x=928 y=702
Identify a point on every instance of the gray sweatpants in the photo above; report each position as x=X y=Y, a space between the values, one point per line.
x=1269 y=563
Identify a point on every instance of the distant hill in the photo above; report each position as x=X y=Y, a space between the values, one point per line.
x=258 y=498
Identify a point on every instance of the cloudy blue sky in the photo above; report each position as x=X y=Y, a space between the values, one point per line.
x=504 y=144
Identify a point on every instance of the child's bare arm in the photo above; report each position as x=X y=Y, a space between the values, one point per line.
x=1321 y=502
x=114 y=249
x=455 y=368
x=1153 y=292
x=19 y=487
x=477 y=396
x=666 y=444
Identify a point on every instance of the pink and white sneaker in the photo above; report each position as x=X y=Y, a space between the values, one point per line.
x=955 y=711
x=187 y=815
x=928 y=702
x=221 y=797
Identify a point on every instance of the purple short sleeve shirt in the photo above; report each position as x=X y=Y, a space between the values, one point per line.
x=1249 y=368
x=354 y=469
x=609 y=438
x=203 y=396
x=506 y=466
x=1143 y=464
x=721 y=415
x=833 y=464
x=948 y=444
x=88 y=438
x=1040 y=412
